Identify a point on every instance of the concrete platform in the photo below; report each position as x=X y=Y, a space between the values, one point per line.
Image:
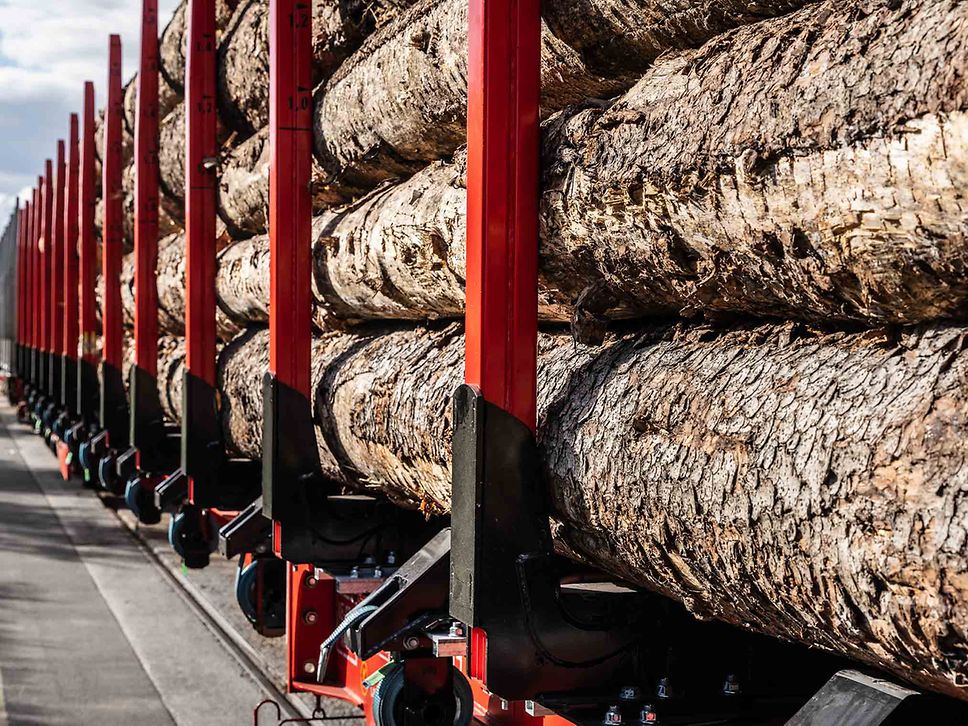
x=90 y=630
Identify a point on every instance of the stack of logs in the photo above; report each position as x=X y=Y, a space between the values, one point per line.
x=754 y=292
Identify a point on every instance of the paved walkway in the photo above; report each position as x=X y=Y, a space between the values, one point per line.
x=90 y=631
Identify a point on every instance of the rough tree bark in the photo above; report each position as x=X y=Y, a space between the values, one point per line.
x=711 y=189
x=171 y=163
x=872 y=231
x=339 y=27
x=243 y=195
x=170 y=281
x=615 y=37
x=400 y=100
x=808 y=485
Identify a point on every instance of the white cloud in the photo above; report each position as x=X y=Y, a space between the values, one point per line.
x=48 y=48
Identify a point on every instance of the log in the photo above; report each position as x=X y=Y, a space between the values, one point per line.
x=174 y=41
x=170 y=282
x=615 y=37
x=399 y=252
x=171 y=163
x=339 y=27
x=400 y=100
x=243 y=196
x=675 y=201
x=801 y=483
x=779 y=170
x=171 y=49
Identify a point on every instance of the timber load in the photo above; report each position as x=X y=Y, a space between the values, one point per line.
x=802 y=483
x=753 y=218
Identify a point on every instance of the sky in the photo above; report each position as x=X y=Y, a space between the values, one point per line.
x=48 y=48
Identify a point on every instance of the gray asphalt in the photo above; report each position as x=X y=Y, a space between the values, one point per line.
x=90 y=632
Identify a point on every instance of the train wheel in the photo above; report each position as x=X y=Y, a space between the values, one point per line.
x=260 y=588
x=141 y=501
x=190 y=535
x=388 y=702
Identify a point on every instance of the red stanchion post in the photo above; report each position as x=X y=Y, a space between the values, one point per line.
x=87 y=378
x=71 y=291
x=114 y=409
x=57 y=276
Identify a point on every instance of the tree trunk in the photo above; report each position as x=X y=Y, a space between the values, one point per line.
x=339 y=27
x=170 y=282
x=242 y=282
x=171 y=163
x=805 y=484
x=243 y=195
x=770 y=206
x=171 y=51
x=803 y=246
x=400 y=101
x=174 y=42
x=615 y=37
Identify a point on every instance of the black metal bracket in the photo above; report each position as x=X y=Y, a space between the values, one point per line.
x=147 y=430
x=854 y=698
x=250 y=531
x=69 y=385
x=114 y=407
x=414 y=597
x=87 y=390
x=292 y=488
x=202 y=449
x=172 y=492
x=126 y=465
x=504 y=575
x=44 y=364
x=56 y=373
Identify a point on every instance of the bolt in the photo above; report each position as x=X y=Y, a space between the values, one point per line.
x=377 y=571
x=411 y=642
x=663 y=690
x=369 y=561
x=310 y=617
x=391 y=558
x=261 y=549
x=456 y=630
x=311 y=581
x=630 y=693
x=613 y=717
x=648 y=716
x=355 y=572
x=309 y=667
x=505 y=705
x=731 y=686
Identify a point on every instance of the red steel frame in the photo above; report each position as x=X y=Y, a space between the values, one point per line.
x=503 y=164
x=146 y=196
x=22 y=215
x=71 y=300
x=87 y=244
x=46 y=298
x=113 y=235
x=290 y=239
x=36 y=312
x=290 y=200
x=201 y=185
x=57 y=269
x=503 y=135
